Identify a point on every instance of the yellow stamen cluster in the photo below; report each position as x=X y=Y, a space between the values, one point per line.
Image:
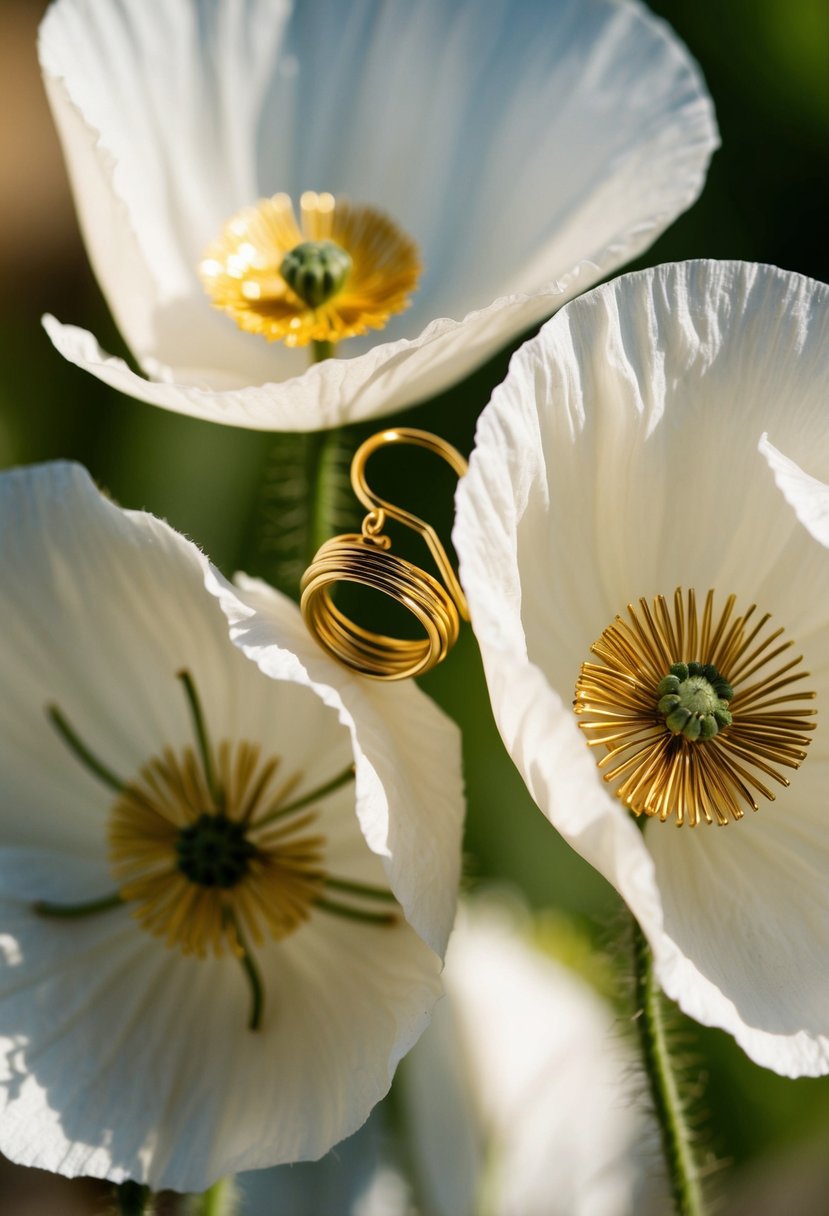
x=278 y=880
x=655 y=768
x=242 y=270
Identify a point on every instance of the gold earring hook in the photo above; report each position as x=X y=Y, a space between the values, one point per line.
x=364 y=558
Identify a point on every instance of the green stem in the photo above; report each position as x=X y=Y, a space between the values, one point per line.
x=683 y=1174
x=304 y=496
x=132 y=1199
x=320 y=792
x=320 y=470
x=321 y=451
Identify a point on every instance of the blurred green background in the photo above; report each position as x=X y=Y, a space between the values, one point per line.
x=767 y=67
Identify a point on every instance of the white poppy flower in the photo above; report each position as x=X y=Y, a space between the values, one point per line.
x=525 y=148
x=273 y=859
x=521 y=1095
x=668 y=431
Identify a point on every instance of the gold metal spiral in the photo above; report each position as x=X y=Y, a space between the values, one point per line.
x=364 y=558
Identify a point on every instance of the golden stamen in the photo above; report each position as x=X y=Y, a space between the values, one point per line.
x=242 y=271
x=213 y=851
x=265 y=880
x=683 y=707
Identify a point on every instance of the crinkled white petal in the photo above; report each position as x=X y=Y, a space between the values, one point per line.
x=561 y=138
x=620 y=459
x=124 y=1058
x=407 y=754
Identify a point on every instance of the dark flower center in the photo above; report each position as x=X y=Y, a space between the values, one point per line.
x=214 y=851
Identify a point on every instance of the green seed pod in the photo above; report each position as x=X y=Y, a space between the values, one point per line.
x=316 y=271
x=667 y=685
x=668 y=704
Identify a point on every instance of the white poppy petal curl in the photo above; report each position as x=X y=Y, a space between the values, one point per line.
x=122 y=1057
x=624 y=457
x=411 y=813
x=527 y=148
x=808 y=497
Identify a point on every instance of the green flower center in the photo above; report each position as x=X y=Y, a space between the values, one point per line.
x=693 y=700
x=316 y=271
x=214 y=851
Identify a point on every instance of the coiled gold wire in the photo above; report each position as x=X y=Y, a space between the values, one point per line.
x=364 y=558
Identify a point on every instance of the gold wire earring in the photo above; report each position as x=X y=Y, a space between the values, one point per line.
x=364 y=558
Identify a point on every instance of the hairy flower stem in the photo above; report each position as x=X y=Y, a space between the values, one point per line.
x=132 y=1199
x=321 y=465
x=320 y=471
x=683 y=1174
x=305 y=498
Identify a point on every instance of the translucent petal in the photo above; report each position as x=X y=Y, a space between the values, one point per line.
x=124 y=1059
x=407 y=754
x=102 y=608
x=560 y=138
x=620 y=459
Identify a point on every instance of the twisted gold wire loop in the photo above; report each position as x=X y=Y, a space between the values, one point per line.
x=364 y=558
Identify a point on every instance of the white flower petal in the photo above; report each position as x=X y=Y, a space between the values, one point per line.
x=448 y=1138
x=360 y=1177
x=411 y=811
x=559 y=138
x=808 y=497
x=123 y=1057
x=746 y=913
x=134 y=1061
x=541 y=1118
x=82 y=607
x=620 y=459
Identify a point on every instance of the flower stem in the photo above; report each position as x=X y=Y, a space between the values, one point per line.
x=321 y=460
x=683 y=1174
x=304 y=498
x=133 y=1199
x=321 y=452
